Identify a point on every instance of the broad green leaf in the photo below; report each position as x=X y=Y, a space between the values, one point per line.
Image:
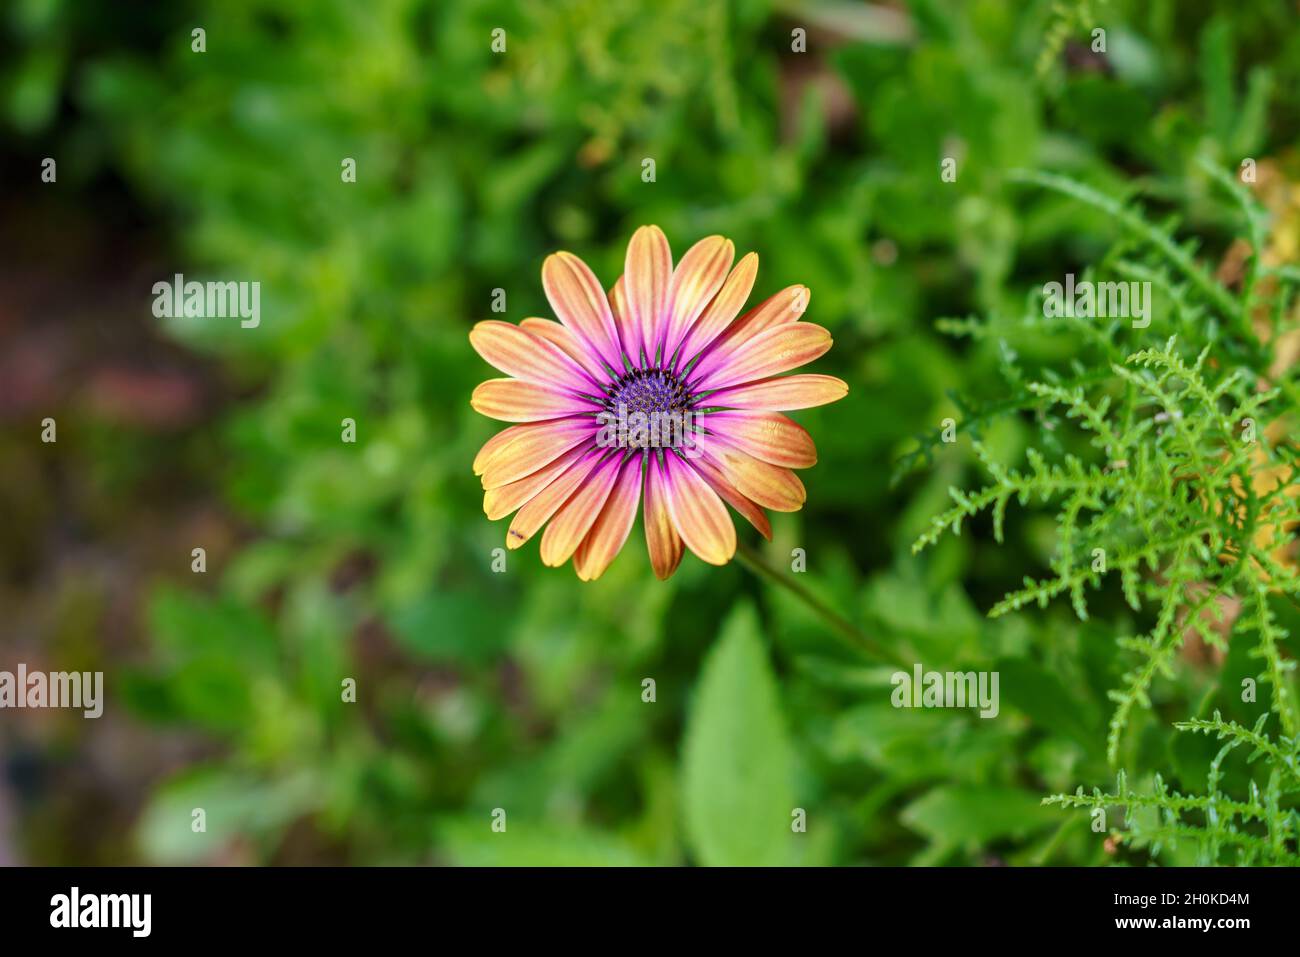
x=234 y=806
x=471 y=842
x=737 y=762
x=916 y=744
x=954 y=816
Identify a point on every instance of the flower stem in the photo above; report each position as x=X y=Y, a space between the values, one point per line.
x=840 y=626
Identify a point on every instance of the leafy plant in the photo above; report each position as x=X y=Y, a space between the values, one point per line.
x=1171 y=475
x=1222 y=830
x=521 y=690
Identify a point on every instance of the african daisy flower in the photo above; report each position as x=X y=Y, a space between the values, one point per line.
x=655 y=393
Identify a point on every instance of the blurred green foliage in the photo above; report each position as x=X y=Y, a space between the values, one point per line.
x=524 y=690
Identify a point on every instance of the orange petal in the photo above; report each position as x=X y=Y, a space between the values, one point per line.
x=777 y=350
x=545 y=503
x=541 y=445
x=661 y=539
x=728 y=492
x=788 y=305
x=698 y=514
x=574 y=519
x=781 y=393
x=501 y=501
x=493 y=446
x=569 y=344
x=695 y=282
x=579 y=302
x=768 y=436
x=724 y=307
x=648 y=271
x=785 y=307
x=514 y=400
x=628 y=335
x=770 y=486
x=520 y=354
x=611 y=528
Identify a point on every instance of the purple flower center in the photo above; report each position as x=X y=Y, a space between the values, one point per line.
x=648 y=408
x=649 y=391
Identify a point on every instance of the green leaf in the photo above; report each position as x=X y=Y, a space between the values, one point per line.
x=471 y=842
x=235 y=807
x=1046 y=700
x=737 y=761
x=911 y=745
x=955 y=816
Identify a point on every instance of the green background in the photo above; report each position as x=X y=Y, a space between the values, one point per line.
x=523 y=690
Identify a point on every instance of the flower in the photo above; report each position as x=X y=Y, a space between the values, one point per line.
x=654 y=394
